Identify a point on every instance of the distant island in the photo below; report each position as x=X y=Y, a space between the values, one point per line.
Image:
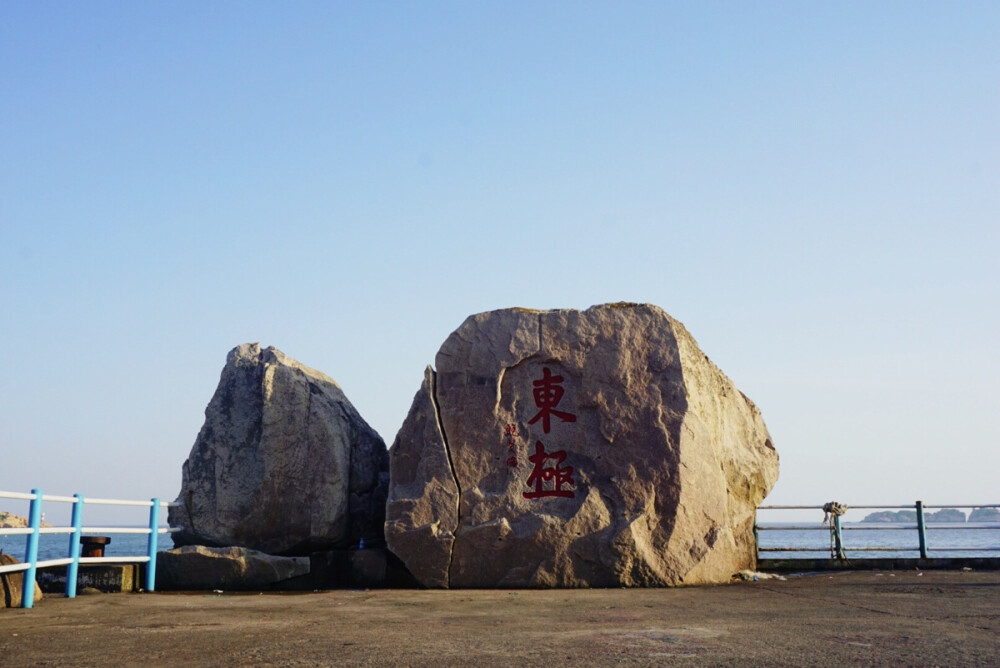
x=12 y=521
x=985 y=515
x=943 y=515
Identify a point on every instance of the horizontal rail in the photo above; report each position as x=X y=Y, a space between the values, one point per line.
x=17 y=495
x=871 y=506
x=65 y=561
x=25 y=531
x=914 y=548
x=59 y=499
x=27 y=496
x=114 y=530
x=119 y=502
x=72 y=561
x=14 y=568
x=922 y=523
x=114 y=560
x=882 y=548
x=881 y=526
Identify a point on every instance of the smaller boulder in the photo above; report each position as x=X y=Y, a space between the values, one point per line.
x=284 y=463
x=196 y=567
x=12 y=584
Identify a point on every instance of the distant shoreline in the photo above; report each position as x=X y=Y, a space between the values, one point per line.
x=12 y=521
x=949 y=515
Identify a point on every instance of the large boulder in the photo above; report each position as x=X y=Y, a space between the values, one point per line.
x=573 y=449
x=195 y=567
x=284 y=464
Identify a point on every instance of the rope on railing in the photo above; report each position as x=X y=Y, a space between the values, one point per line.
x=833 y=509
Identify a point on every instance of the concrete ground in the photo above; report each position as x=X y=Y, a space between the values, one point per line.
x=901 y=618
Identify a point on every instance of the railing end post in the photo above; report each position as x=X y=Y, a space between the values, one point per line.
x=154 y=528
x=73 y=570
x=756 y=537
x=838 y=533
x=921 y=529
x=31 y=553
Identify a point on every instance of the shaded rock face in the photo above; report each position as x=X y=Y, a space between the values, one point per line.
x=12 y=584
x=283 y=464
x=577 y=448
x=195 y=567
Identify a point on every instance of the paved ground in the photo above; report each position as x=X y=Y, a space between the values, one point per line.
x=937 y=618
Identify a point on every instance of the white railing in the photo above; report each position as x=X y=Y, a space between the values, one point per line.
x=76 y=530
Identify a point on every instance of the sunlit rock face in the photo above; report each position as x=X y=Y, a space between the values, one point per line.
x=284 y=464
x=577 y=449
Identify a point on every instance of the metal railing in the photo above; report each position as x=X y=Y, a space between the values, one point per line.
x=76 y=529
x=835 y=527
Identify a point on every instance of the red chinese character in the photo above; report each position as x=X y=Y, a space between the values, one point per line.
x=548 y=392
x=510 y=431
x=540 y=474
x=512 y=462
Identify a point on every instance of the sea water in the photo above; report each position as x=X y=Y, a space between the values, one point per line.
x=56 y=546
x=970 y=539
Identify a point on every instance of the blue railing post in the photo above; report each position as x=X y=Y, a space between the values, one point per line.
x=31 y=554
x=154 y=529
x=921 y=529
x=74 y=547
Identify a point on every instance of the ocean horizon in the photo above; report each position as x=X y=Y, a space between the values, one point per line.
x=974 y=539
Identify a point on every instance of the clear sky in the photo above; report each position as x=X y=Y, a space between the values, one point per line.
x=812 y=188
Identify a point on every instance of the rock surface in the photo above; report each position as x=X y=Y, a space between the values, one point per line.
x=12 y=521
x=577 y=448
x=195 y=567
x=985 y=515
x=284 y=464
x=949 y=515
x=12 y=584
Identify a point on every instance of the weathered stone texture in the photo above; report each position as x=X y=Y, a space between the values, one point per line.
x=283 y=464
x=669 y=460
x=12 y=584
x=195 y=567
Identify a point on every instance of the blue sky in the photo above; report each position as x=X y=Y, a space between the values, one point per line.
x=813 y=189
